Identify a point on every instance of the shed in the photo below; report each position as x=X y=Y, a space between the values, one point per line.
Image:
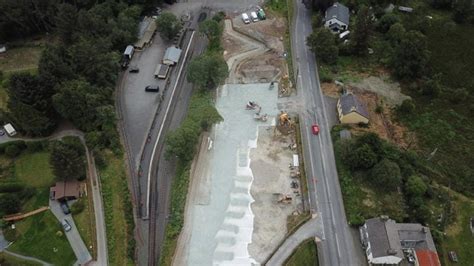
x=66 y=190
x=351 y=110
x=172 y=55
x=145 y=37
x=10 y=130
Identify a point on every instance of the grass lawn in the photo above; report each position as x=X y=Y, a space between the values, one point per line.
x=21 y=59
x=34 y=169
x=9 y=260
x=41 y=236
x=114 y=187
x=86 y=224
x=458 y=235
x=305 y=255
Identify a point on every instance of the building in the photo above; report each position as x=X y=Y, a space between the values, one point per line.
x=351 y=110
x=337 y=18
x=387 y=242
x=172 y=55
x=66 y=190
x=146 y=31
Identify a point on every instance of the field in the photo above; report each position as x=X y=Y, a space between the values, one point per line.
x=117 y=208
x=9 y=260
x=42 y=237
x=305 y=255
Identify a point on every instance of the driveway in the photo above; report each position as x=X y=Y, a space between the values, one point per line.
x=80 y=250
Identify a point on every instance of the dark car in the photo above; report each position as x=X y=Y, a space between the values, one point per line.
x=65 y=207
x=134 y=69
x=152 y=88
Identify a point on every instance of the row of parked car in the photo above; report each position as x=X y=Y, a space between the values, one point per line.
x=255 y=16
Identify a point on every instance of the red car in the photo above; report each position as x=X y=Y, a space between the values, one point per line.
x=315 y=129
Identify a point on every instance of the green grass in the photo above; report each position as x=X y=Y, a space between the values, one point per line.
x=21 y=59
x=459 y=237
x=305 y=255
x=9 y=260
x=85 y=224
x=34 y=169
x=117 y=206
x=41 y=236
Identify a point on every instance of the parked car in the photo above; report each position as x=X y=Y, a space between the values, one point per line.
x=254 y=16
x=315 y=129
x=152 y=88
x=134 y=69
x=66 y=225
x=65 y=207
x=245 y=18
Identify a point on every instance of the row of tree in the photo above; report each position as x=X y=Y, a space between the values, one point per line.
x=76 y=76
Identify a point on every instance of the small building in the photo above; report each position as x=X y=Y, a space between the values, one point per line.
x=387 y=242
x=337 y=18
x=172 y=55
x=147 y=29
x=10 y=130
x=351 y=110
x=66 y=190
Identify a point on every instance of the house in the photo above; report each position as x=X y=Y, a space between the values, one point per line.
x=172 y=55
x=387 y=242
x=66 y=190
x=337 y=18
x=351 y=110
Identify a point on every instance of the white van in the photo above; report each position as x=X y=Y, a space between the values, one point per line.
x=254 y=16
x=245 y=18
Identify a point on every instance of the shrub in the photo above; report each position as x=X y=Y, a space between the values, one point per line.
x=362 y=157
x=386 y=175
x=459 y=95
x=11 y=187
x=19 y=143
x=12 y=151
x=34 y=146
x=78 y=207
x=407 y=107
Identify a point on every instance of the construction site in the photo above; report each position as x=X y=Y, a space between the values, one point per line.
x=245 y=181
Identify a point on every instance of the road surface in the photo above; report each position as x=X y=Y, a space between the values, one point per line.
x=337 y=245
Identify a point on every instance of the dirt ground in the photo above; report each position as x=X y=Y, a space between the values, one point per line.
x=270 y=166
x=377 y=91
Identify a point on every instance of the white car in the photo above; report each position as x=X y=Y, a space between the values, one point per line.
x=254 y=16
x=67 y=227
x=245 y=18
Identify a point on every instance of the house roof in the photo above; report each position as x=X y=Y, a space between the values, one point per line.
x=350 y=103
x=338 y=11
x=387 y=237
x=427 y=258
x=146 y=31
x=66 y=189
x=172 y=54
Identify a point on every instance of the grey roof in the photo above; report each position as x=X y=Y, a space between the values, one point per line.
x=386 y=235
x=172 y=54
x=350 y=103
x=338 y=11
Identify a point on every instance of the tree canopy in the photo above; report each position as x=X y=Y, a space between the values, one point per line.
x=67 y=159
x=411 y=56
x=386 y=175
x=323 y=43
x=362 y=31
x=208 y=70
x=168 y=25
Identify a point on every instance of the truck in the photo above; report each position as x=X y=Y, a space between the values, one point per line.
x=161 y=71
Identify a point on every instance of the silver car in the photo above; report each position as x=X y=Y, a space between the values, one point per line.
x=67 y=227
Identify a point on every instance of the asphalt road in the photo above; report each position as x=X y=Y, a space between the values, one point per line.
x=337 y=245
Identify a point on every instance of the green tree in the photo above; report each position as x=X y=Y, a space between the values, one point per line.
x=362 y=31
x=182 y=142
x=407 y=107
x=67 y=159
x=208 y=70
x=441 y=4
x=386 y=175
x=415 y=186
x=387 y=21
x=66 y=22
x=323 y=43
x=362 y=157
x=411 y=56
x=459 y=95
x=213 y=31
x=374 y=142
x=432 y=86
x=9 y=203
x=463 y=11
x=396 y=34
x=168 y=25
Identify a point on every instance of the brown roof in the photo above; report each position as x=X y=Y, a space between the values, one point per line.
x=66 y=189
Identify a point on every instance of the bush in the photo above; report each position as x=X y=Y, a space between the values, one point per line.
x=11 y=235
x=78 y=207
x=11 y=187
x=19 y=143
x=35 y=146
x=12 y=151
x=407 y=107
x=386 y=175
x=325 y=75
x=363 y=157
x=459 y=95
